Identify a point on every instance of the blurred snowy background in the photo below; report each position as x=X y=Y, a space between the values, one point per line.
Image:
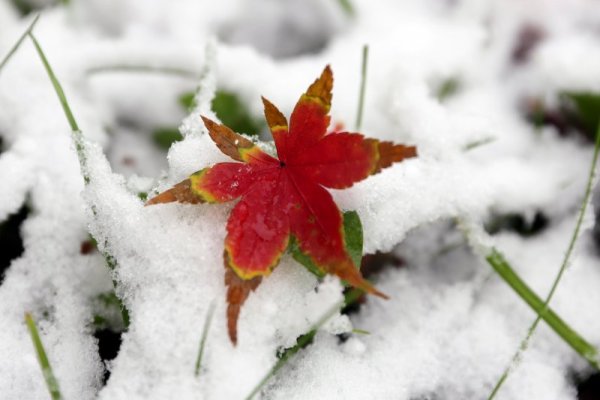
x=499 y=96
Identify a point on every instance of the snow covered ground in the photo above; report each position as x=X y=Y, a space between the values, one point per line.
x=451 y=325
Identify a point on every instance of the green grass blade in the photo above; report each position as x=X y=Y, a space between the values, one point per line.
x=305 y=340
x=577 y=343
x=353 y=236
x=16 y=46
x=51 y=381
x=77 y=136
x=207 y=323
x=478 y=143
x=363 y=84
x=347 y=6
x=580 y=345
x=57 y=87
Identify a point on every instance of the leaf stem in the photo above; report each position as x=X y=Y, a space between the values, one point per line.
x=577 y=343
x=16 y=46
x=51 y=381
x=363 y=84
x=305 y=339
x=207 y=323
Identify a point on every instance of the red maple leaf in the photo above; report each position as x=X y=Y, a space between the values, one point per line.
x=285 y=196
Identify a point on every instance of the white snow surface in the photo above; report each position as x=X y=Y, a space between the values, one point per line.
x=451 y=325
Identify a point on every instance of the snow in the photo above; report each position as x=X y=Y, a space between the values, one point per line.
x=451 y=325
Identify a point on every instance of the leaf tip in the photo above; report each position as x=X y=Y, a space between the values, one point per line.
x=275 y=119
x=208 y=123
x=181 y=193
x=381 y=294
x=389 y=153
x=320 y=90
x=369 y=288
x=238 y=291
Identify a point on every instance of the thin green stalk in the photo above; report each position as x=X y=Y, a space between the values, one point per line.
x=51 y=381
x=580 y=345
x=583 y=348
x=79 y=146
x=478 y=143
x=143 y=69
x=305 y=339
x=57 y=87
x=207 y=323
x=16 y=46
x=363 y=84
x=347 y=7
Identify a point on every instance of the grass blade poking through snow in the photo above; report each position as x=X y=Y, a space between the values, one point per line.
x=363 y=84
x=79 y=145
x=76 y=132
x=590 y=354
x=16 y=46
x=57 y=87
x=580 y=345
x=51 y=381
x=207 y=322
x=305 y=339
